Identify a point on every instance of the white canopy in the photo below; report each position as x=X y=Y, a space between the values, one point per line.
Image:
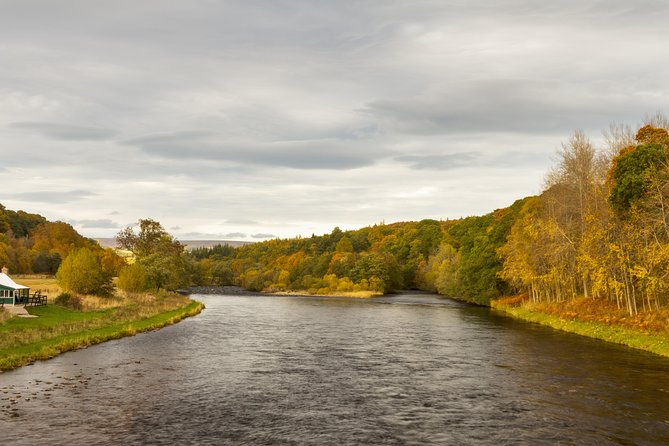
x=7 y=282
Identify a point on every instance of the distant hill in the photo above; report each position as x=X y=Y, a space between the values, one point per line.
x=110 y=242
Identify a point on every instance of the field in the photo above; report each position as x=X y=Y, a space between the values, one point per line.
x=46 y=284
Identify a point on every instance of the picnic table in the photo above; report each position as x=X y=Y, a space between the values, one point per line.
x=35 y=300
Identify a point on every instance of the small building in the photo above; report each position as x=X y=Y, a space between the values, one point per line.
x=11 y=293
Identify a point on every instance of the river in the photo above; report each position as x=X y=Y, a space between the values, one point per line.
x=400 y=370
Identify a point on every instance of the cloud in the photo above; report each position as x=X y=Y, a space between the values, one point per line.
x=235 y=235
x=312 y=114
x=175 y=228
x=327 y=154
x=261 y=235
x=440 y=162
x=211 y=236
x=96 y=224
x=501 y=105
x=241 y=221
x=52 y=196
x=66 y=132
x=114 y=213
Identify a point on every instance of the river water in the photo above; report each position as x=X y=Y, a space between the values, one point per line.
x=407 y=369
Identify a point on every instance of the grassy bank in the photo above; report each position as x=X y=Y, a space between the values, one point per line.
x=58 y=329
x=645 y=331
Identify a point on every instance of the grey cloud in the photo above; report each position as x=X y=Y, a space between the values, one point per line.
x=310 y=154
x=66 y=132
x=211 y=236
x=97 y=224
x=261 y=235
x=501 y=105
x=506 y=158
x=281 y=84
x=168 y=138
x=175 y=228
x=235 y=235
x=52 y=196
x=196 y=235
x=114 y=213
x=440 y=162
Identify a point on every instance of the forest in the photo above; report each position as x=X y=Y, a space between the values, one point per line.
x=30 y=244
x=599 y=230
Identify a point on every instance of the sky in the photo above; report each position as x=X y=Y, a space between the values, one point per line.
x=247 y=120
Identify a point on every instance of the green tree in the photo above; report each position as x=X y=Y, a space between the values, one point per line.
x=81 y=272
x=46 y=262
x=161 y=256
x=133 y=278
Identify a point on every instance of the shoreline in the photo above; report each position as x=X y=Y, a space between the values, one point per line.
x=25 y=354
x=641 y=340
x=239 y=291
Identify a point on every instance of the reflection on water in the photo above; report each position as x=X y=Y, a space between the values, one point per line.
x=408 y=369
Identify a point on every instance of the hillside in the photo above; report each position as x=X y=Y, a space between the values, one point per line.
x=29 y=243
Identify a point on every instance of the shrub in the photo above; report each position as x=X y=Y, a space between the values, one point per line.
x=69 y=301
x=81 y=272
x=132 y=278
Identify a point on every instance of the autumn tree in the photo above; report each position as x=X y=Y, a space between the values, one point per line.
x=161 y=256
x=81 y=272
x=132 y=278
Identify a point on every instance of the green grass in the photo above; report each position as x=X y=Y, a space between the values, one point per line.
x=655 y=343
x=58 y=329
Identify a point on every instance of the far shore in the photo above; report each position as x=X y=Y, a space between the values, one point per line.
x=239 y=291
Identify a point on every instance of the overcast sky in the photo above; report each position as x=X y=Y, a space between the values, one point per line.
x=251 y=119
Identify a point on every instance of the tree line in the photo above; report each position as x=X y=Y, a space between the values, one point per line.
x=30 y=244
x=599 y=229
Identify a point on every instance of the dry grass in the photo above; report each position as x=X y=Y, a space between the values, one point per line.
x=592 y=310
x=605 y=312
x=47 y=284
x=597 y=319
x=97 y=303
x=5 y=315
x=512 y=301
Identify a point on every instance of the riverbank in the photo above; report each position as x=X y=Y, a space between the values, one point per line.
x=645 y=331
x=239 y=291
x=59 y=329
